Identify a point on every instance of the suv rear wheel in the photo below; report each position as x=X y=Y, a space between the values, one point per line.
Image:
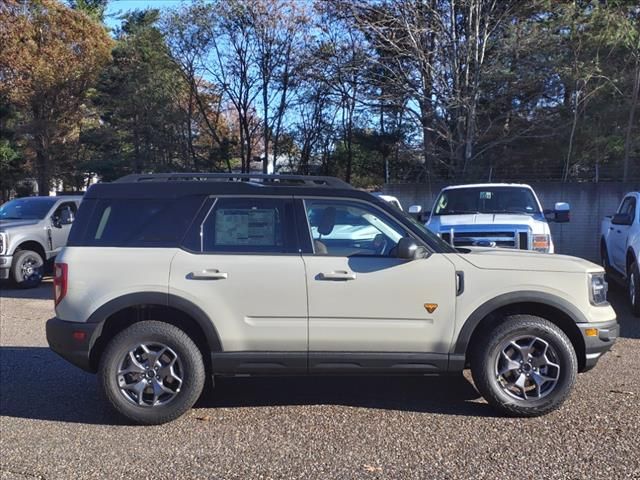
x=525 y=366
x=27 y=269
x=151 y=372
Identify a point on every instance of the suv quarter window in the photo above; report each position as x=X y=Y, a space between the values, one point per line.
x=250 y=225
x=342 y=227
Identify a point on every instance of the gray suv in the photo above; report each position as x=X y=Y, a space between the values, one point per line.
x=32 y=231
x=172 y=278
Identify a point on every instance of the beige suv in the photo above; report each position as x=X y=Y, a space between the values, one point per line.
x=169 y=279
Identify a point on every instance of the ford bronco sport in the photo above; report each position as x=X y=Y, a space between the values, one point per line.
x=168 y=279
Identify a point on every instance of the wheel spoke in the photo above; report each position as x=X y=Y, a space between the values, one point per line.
x=138 y=389
x=508 y=364
x=133 y=367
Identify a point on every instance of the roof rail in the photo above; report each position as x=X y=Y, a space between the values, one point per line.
x=258 y=179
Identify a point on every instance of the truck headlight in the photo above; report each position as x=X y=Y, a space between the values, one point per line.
x=541 y=243
x=3 y=242
x=598 y=288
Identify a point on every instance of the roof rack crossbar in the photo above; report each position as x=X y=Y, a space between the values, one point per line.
x=258 y=179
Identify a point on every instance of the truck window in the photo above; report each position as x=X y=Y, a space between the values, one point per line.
x=457 y=201
x=628 y=206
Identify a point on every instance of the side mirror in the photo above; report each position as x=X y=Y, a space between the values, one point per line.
x=55 y=221
x=561 y=213
x=408 y=249
x=622 y=219
x=420 y=214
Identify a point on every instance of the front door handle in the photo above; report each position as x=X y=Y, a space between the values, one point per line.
x=339 y=275
x=208 y=274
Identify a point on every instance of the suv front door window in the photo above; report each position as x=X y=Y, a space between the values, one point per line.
x=350 y=228
x=362 y=298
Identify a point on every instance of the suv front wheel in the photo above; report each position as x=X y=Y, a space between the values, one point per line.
x=151 y=372
x=525 y=366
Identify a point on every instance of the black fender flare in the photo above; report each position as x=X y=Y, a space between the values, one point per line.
x=541 y=298
x=160 y=299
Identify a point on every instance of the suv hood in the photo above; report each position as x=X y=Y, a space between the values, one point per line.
x=6 y=224
x=525 y=260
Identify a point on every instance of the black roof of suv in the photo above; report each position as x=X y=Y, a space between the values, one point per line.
x=168 y=185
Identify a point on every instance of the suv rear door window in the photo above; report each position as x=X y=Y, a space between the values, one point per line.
x=248 y=225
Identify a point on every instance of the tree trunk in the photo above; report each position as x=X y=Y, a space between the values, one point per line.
x=632 y=112
x=43 y=176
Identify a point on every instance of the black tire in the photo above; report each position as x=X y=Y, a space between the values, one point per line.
x=604 y=258
x=633 y=288
x=487 y=355
x=150 y=333
x=27 y=269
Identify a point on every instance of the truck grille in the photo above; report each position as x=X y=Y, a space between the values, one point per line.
x=504 y=239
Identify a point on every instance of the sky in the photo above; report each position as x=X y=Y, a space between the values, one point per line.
x=117 y=7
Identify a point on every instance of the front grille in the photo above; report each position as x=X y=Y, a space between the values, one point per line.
x=504 y=239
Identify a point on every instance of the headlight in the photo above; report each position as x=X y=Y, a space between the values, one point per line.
x=3 y=242
x=541 y=243
x=598 y=289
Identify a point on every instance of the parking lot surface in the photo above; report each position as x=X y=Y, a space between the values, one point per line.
x=53 y=424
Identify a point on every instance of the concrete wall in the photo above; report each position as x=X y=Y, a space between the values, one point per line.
x=590 y=202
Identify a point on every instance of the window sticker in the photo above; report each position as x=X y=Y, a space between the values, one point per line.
x=241 y=226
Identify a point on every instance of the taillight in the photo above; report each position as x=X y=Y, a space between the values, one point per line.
x=60 y=282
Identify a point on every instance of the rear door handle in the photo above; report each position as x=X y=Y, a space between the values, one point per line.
x=339 y=275
x=207 y=274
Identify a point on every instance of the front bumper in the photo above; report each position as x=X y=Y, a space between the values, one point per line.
x=73 y=341
x=596 y=345
x=5 y=266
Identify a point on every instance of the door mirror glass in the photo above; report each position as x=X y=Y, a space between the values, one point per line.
x=622 y=219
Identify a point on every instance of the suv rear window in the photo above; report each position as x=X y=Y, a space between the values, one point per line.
x=248 y=225
x=140 y=222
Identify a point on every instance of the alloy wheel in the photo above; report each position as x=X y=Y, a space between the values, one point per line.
x=527 y=368
x=150 y=375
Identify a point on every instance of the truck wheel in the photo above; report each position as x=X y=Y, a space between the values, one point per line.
x=151 y=372
x=526 y=366
x=633 y=288
x=604 y=258
x=27 y=269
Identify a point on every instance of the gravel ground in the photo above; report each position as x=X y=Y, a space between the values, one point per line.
x=54 y=425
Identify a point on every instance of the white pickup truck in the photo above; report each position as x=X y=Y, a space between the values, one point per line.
x=504 y=215
x=620 y=247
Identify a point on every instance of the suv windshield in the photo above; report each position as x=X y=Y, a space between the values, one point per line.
x=458 y=201
x=32 y=208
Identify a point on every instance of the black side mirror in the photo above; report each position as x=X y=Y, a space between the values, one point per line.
x=408 y=249
x=55 y=221
x=622 y=219
x=561 y=213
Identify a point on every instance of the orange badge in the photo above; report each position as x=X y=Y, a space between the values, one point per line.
x=431 y=307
